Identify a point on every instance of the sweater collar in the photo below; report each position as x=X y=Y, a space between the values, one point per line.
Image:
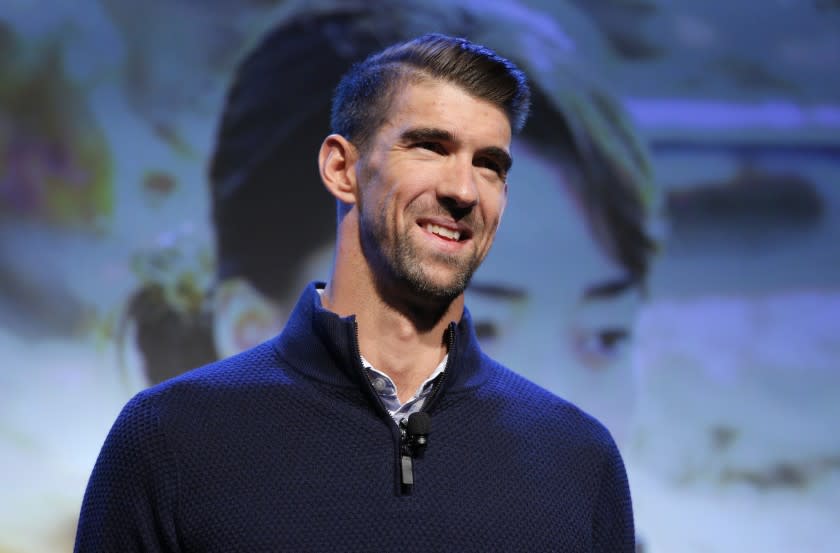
x=321 y=345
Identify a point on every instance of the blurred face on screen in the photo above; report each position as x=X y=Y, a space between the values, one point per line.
x=549 y=303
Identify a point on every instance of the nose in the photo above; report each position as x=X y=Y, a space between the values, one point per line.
x=458 y=188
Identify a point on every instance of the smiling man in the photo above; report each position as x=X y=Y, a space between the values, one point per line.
x=298 y=444
x=419 y=204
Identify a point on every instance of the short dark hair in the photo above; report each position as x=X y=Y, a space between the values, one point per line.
x=364 y=94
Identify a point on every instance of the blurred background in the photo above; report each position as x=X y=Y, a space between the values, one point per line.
x=720 y=383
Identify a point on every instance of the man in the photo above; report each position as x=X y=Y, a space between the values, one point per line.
x=296 y=445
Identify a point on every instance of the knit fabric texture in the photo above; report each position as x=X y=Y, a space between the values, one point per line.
x=285 y=447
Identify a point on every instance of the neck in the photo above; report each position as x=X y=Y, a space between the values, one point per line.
x=400 y=335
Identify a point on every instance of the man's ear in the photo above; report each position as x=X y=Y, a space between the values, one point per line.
x=243 y=317
x=337 y=163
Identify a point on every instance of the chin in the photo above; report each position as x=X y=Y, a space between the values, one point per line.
x=441 y=289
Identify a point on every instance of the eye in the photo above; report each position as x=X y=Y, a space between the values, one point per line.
x=597 y=348
x=492 y=164
x=486 y=330
x=435 y=147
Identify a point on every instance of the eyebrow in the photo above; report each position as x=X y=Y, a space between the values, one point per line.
x=500 y=291
x=609 y=288
x=501 y=156
x=420 y=134
x=431 y=134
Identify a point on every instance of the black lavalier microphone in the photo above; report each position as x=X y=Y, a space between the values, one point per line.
x=415 y=437
x=417 y=429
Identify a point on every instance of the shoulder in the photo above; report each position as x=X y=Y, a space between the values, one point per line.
x=535 y=411
x=212 y=392
x=249 y=369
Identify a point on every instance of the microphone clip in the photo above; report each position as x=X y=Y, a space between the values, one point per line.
x=414 y=433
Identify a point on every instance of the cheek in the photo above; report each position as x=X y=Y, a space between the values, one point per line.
x=493 y=210
x=496 y=196
x=412 y=187
x=377 y=202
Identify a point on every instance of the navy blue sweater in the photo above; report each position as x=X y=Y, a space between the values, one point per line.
x=286 y=448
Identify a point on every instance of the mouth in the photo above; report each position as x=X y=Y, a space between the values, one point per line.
x=443 y=232
x=451 y=232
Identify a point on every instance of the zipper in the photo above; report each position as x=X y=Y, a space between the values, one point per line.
x=406 y=446
x=383 y=411
x=450 y=344
x=405 y=453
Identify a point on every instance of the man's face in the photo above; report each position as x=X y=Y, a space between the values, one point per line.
x=546 y=300
x=432 y=188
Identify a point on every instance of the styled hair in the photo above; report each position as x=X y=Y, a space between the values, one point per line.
x=363 y=96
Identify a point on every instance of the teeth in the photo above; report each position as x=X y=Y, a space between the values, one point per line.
x=442 y=231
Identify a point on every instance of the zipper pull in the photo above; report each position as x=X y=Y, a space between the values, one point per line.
x=406 y=460
x=407 y=470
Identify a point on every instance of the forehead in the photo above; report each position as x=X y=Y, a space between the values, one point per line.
x=434 y=103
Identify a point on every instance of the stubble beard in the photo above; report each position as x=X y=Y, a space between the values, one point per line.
x=404 y=264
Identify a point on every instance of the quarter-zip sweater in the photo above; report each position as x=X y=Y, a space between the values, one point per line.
x=286 y=447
